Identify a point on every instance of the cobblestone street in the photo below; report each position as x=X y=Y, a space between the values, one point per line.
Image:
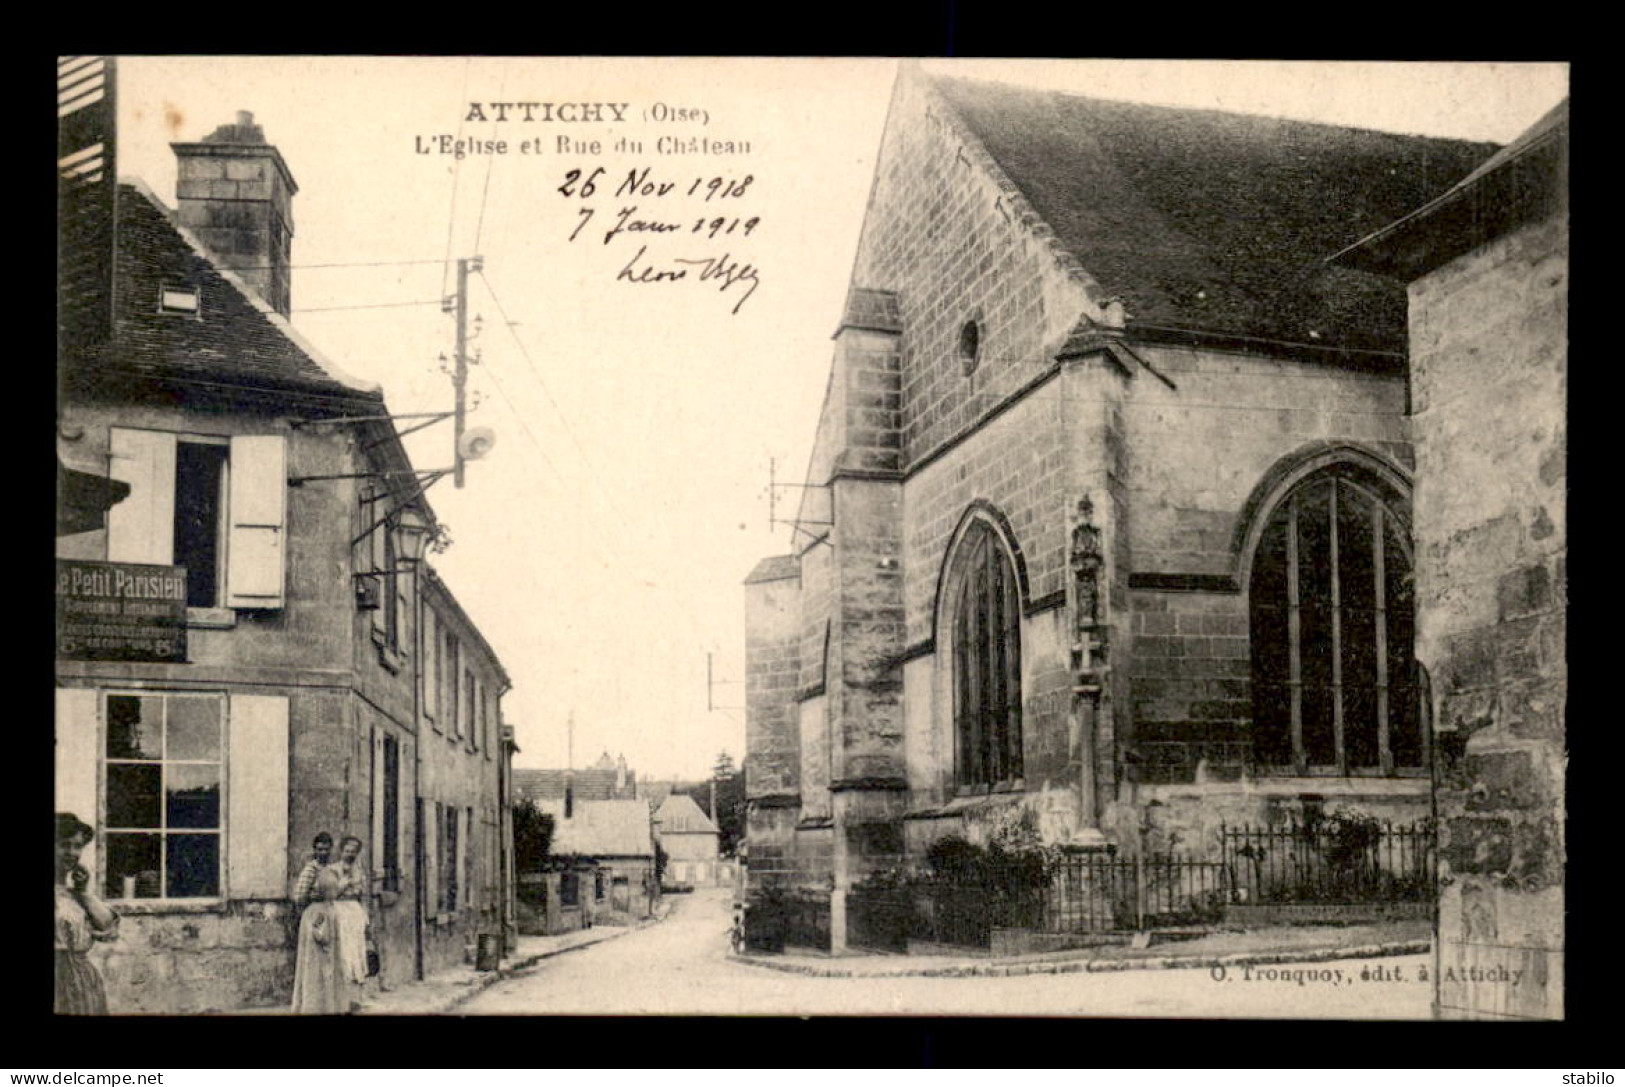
x=681 y=967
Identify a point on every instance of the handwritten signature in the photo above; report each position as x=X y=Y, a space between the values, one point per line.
x=722 y=271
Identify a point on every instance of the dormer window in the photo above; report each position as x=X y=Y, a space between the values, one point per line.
x=181 y=301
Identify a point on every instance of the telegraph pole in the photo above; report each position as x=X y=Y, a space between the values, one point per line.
x=457 y=305
x=459 y=379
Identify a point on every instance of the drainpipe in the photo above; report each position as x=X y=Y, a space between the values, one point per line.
x=506 y=920
x=416 y=806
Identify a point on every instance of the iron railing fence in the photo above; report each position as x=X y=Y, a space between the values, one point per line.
x=879 y=916
x=1332 y=861
x=1095 y=892
x=806 y=919
x=1073 y=894
x=782 y=914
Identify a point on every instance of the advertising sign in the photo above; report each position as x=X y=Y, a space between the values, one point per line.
x=120 y=611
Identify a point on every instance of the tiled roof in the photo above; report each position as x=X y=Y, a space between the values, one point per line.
x=591 y=784
x=1210 y=221
x=601 y=828
x=678 y=814
x=237 y=340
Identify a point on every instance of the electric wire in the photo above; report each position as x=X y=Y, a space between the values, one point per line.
x=586 y=462
x=613 y=560
x=366 y=305
x=612 y=556
x=559 y=411
x=333 y=264
x=456 y=174
x=490 y=165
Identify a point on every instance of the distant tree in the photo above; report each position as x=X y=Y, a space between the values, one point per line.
x=660 y=862
x=730 y=818
x=728 y=783
x=532 y=836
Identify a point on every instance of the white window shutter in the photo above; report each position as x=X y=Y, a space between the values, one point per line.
x=375 y=853
x=141 y=528
x=256 y=549
x=430 y=669
x=377 y=559
x=431 y=856
x=78 y=753
x=257 y=797
x=400 y=584
x=460 y=699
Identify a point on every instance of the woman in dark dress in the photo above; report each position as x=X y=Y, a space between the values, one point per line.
x=81 y=920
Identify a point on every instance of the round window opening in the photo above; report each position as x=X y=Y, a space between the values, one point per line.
x=970 y=345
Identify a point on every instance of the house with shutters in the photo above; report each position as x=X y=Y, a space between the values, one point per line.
x=1106 y=528
x=600 y=868
x=690 y=839
x=464 y=859
x=243 y=643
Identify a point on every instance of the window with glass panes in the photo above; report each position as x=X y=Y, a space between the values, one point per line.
x=162 y=803
x=987 y=662
x=1332 y=618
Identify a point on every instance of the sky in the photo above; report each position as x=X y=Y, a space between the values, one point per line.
x=602 y=545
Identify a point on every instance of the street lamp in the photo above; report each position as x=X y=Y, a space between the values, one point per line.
x=411 y=535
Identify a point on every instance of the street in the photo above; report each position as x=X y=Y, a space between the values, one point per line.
x=680 y=966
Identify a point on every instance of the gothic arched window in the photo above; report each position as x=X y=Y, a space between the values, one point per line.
x=1332 y=616
x=987 y=662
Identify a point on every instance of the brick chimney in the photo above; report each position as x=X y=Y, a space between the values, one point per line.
x=235 y=193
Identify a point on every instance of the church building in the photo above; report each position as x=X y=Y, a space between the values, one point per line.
x=1107 y=521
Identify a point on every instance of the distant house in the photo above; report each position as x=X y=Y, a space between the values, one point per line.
x=601 y=868
x=606 y=779
x=690 y=839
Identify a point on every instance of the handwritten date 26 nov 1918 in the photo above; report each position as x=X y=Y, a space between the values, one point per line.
x=723 y=272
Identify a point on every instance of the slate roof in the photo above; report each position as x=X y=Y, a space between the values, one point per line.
x=679 y=814
x=1211 y=221
x=238 y=342
x=775 y=568
x=1515 y=181
x=601 y=828
x=1552 y=125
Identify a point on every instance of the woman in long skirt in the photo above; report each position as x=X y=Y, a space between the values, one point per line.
x=331 y=963
x=81 y=920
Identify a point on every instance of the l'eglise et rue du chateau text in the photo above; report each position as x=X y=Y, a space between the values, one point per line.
x=573 y=142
